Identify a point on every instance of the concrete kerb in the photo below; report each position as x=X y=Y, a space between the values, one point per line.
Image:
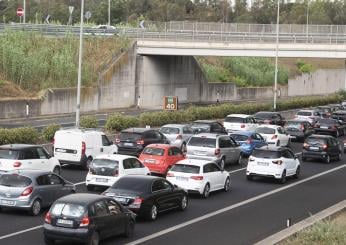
x=284 y=234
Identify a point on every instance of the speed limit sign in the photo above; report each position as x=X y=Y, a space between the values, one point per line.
x=170 y=103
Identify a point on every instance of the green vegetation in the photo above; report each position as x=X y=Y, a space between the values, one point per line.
x=118 y=122
x=243 y=71
x=49 y=131
x=304 y=67
x=88 y=122
x=35 y=62
x=25 y=135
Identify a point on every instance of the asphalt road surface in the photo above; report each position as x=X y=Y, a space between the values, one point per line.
x=251 y=211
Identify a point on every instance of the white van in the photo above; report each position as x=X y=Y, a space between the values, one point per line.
x=81 y=146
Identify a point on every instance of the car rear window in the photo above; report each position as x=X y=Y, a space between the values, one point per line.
x=169 y=130
x=264 y=115
x=136 y=185
x=105 y=163
x=68 y=209
x=327 y=121
x=14 y=180
x=153 y=151
x=265 y=130
x=183 y=168
x=266 y=154
x=304 y=113
x=234 y=119
x=239 y=137
x=293 y=124
x=8 y=154
x=130 y=136
x=203 y=142
x=316 y=141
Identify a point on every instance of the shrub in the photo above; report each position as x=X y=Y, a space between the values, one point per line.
x=25 y=135
x=303 y=67
x=119 y=122
x=88 y=122
x=49 y=131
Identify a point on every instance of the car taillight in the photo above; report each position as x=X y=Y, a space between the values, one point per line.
x=179 y=137
x=242 y=126
x=306 y=145
x=48 y=218
x=217 y=152
x=324 y=147
x=116 y=172
x=278 y=162
x=197 y=177
x=249 y=141
x=84 y=222
x=136 y=203
x=17 y=164
x=117 y=140
x=140 y=142
x=83 y=148
x=27 y=191
x=274 y=137
x=170 y=175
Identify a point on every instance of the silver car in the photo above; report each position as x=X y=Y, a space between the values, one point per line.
x=177 y=134
x=221 y=149
x=32 y=189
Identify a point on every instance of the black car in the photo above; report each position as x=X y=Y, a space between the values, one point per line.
x=148 y=195
x=299 y=130
x=132 y=141
x=208 y=126
x=325 y=111
x=269 y=117
x=87 y=218
x=340 y=116
x=324 y=147
x=329 y=126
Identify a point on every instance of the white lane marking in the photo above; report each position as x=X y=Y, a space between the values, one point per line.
x=223 y=210
x=20 y=232
x=237 y=170
x=80 y=183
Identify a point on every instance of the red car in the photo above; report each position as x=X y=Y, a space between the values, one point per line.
x=160 y=157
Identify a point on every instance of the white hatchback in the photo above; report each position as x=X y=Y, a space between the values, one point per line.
x=273 y=162
x=105 y=170
x=199 y=176
x=240 y=122
x=274 y=135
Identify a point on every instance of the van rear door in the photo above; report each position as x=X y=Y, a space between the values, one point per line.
x=68 y=146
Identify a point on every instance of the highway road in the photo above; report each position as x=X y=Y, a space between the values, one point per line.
x=251 y=211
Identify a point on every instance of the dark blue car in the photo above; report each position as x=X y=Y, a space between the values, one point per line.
x=248 y=141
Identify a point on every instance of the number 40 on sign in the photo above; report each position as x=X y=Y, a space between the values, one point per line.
x=170 y=103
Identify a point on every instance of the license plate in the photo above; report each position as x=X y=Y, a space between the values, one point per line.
x=325 y=127
x=8 y=202
x=120 y=199
x=128 y=144
x=200 y=153
x=101 y=180
x=263 y=163
x=64 y=222
x=314 y=148
x=60 y=150
x=180 y=178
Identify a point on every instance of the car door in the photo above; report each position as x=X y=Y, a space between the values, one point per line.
x=128 y=168
x=187 y=133
x=164 y=195
x=107 y=145
x=177 y=155
x=217 y=176
x=117 y=218
x=252 y=124
x=283 y=137
x=30 y=159
x=138 y=167
x=45 y=190
x=102 y=219
x=334 y=149
x=258 y=140
x=57 y=187
x=43 y=160
x=289 y=159
x=226 y=148
x=209 y=176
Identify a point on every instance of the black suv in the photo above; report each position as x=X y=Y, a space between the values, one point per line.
x=324 y=147
x=208 y=126
x=87 y=218
x=132 y=141
x=269 y=117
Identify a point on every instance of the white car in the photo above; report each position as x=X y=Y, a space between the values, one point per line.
x=177 y=134
x=311 y=116
x=199 y=176
x=274 y=162
x=274 y=135
x=105 y=170
x=236 y=122
x=21 y=156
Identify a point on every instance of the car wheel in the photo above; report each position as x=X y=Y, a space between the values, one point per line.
x=339 y=156
x=327 y=159
x=249 y=177
x=36 y=207
x=130 y=229
x=278 y=143
x=183 y=147
x=296 y=176
x=222 y=163
x=227 y=185
x=183 y=203
x=94 y=239
x=48 y=241
x=283 y=177
x=152 y=213
x=90 y=187
x=206 y=191
x=57 y=170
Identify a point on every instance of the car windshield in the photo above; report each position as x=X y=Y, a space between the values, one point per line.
x=200 y=128
x=169 y=130
x=130 y=136
x=234 y=119
x=153 y=151
x=293 y=124
x=136 y=185
x=104 y=163
x=327 y=121
x=239 y=137
x=304 y=113
x=8 y=154
x=183 y=168
x=265 y=130
x=266 y=154
x=315 y=141
x=202 y=142
x=68 y=209
x=14 y=180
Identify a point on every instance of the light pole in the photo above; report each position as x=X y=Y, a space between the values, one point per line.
x=109 y=12
x=24 y=12
x=307 y=21
x=276 y=55
x=80 y=63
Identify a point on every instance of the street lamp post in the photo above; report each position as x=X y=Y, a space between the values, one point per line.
x=24 y=10
x=307 y=21
x=109 y=12
x=276 y=55
x=80 y=63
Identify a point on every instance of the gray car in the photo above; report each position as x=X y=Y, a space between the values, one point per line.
x=219 y=148
x=32 y=190
x=177 y=134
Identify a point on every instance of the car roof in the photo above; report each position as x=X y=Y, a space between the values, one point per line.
x=208 y=135
x=116 y=157
x=174 y=125
x=307 y=110
x=240 y=132
x=320 y=136
x=161 y=146
x=269 y=126
x=272 y=148
x=297 y=120
x=81 y=198
x=18 y=146
x=195 y=162
x=339 y=112
x=239 y=115
x=147 y=178
x=267 y=112
x=80 y=130
x=135 y=130
x=205 y=121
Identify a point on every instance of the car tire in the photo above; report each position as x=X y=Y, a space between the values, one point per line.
x=36 y=207
x=227 y=185
x=152 y=214
x=90 y=187
x=94 y=239
x=297 y=174
x=130 y=229
x=206 y=191
x=222 y=163
x=49 y=241
x=183 y=147
x=249 y=177
x=183 y=203
x=57 y=170
x=283 y=177
x=327 y=159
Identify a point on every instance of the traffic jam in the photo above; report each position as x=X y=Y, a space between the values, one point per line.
x=147 y=172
